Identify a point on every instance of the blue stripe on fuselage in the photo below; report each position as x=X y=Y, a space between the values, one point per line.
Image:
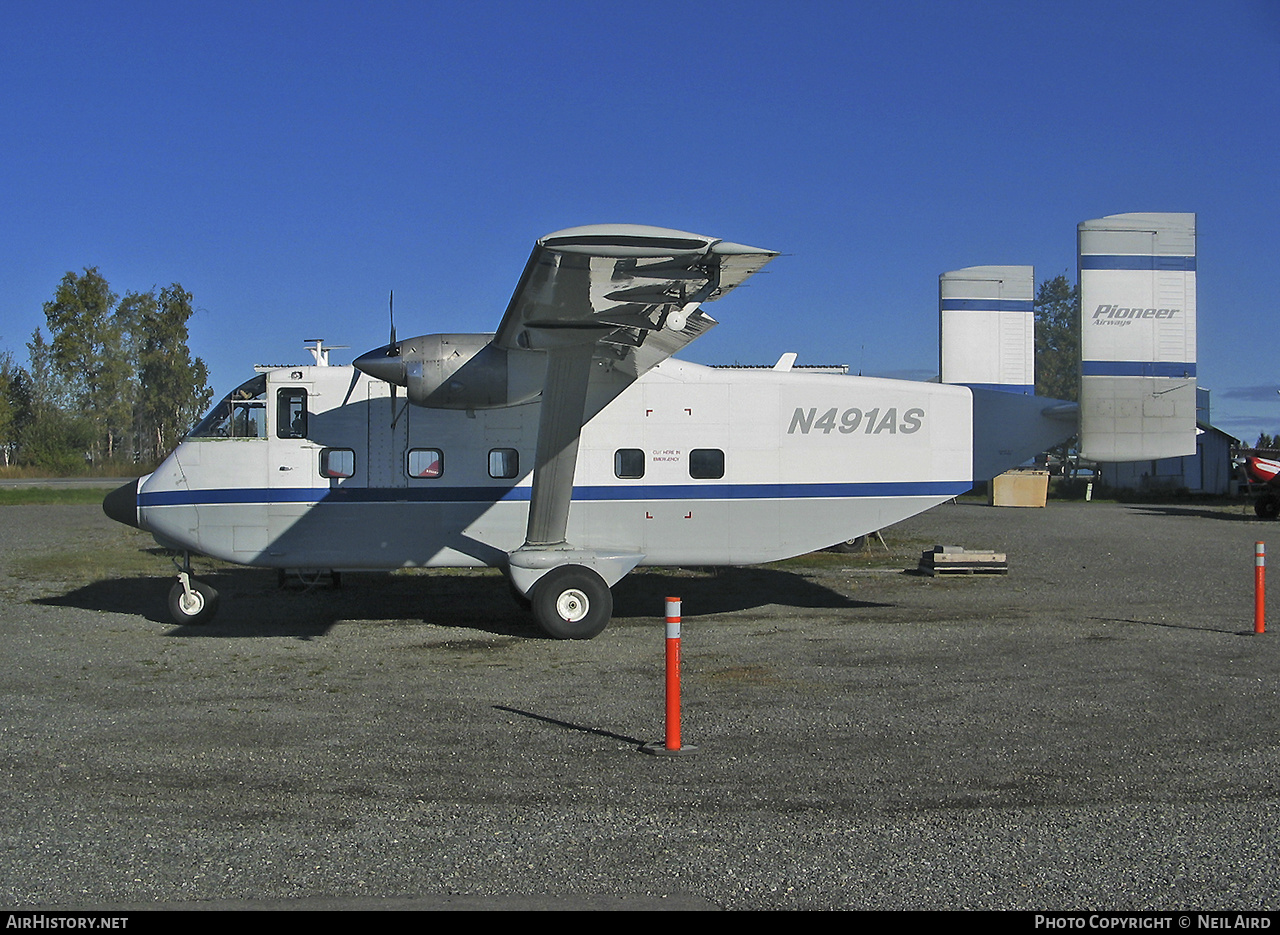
x=338 y=495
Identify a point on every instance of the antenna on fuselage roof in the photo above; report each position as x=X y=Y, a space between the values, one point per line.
x=321 y=352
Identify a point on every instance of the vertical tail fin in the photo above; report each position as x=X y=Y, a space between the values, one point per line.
x=988 y=327
x=1138 y=336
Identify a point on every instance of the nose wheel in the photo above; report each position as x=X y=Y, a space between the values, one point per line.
x=192 y=602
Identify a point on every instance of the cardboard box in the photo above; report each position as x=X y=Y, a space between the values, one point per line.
x=1019 y=488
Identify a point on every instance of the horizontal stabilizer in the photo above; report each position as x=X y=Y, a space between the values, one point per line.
x=1010 y=429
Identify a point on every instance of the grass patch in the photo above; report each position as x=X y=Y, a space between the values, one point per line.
x=124 y=558
x=45 y=496
x=107 y=469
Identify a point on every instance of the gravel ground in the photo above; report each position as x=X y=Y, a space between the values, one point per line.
x=1095 y=730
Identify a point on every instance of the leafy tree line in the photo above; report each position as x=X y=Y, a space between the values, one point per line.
x=113 y=383
x=1057 y=315
x=1057 y=341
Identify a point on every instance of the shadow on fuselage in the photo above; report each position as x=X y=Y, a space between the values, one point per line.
x=253 y=604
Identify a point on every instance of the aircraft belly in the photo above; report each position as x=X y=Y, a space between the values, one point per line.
x=249 y=527
x=739 y=531
x=745 y=532
x=399 y=534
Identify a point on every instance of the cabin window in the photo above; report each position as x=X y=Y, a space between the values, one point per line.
x=628 y=463
x=706 y=463
x=241 y=414
x=424 y=462
x=291 y=412
x=337 y=462
x=504 y=463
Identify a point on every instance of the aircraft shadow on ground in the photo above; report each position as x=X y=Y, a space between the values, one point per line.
x=725 y=590
x=1242 y=516
x=252 y=604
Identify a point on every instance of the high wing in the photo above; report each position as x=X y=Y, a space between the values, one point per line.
x=632 y=290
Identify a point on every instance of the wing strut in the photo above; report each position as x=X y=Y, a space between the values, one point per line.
x=564 y=397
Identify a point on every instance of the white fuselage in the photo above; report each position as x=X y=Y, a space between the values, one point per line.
x=808 y=460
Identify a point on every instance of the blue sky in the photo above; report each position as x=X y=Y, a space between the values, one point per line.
x=291 y=163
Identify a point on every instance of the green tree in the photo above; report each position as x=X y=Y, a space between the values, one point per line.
x=8 y=409
x=21 y=400
x=173 y=387
x=87 y=344
x=115 y=379
x=44 y=387
x=58 y=442
x=47 y=432
x=1057 y=313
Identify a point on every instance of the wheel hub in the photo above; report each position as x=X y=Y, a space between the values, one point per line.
x=572 y=605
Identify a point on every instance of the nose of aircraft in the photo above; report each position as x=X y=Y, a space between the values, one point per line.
x=383 y=363
x=122 y=504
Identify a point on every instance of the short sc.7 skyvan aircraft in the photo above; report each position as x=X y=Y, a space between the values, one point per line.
x=569 y=447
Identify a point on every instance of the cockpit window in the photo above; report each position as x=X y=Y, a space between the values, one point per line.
x=242 y=414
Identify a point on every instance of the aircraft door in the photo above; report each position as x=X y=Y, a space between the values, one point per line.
x=292 y=457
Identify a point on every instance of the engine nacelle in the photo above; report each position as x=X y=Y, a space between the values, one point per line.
x=457 y=371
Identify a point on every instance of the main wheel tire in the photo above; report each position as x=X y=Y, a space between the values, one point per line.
x=572 y=603
x=196 y=609
x=1267 y=506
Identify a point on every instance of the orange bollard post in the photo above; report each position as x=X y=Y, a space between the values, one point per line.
x=672 y=745
x=1259 y=587
x=673 y=673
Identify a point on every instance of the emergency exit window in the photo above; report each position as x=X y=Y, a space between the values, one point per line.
x=706 y=463
x=425 y=462
x=504 y=463
x=628 y=463
x=291 y=412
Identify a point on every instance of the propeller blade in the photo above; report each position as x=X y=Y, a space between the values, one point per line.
x=392 y=348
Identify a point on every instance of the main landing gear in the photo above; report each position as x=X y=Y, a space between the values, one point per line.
x=568 y=589
x=571 y=602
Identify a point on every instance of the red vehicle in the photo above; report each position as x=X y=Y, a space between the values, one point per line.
x=1264 y=471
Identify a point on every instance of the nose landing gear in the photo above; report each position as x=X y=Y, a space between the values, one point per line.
x=191 y=602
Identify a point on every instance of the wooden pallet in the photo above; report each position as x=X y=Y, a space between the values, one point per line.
x=954 y=560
